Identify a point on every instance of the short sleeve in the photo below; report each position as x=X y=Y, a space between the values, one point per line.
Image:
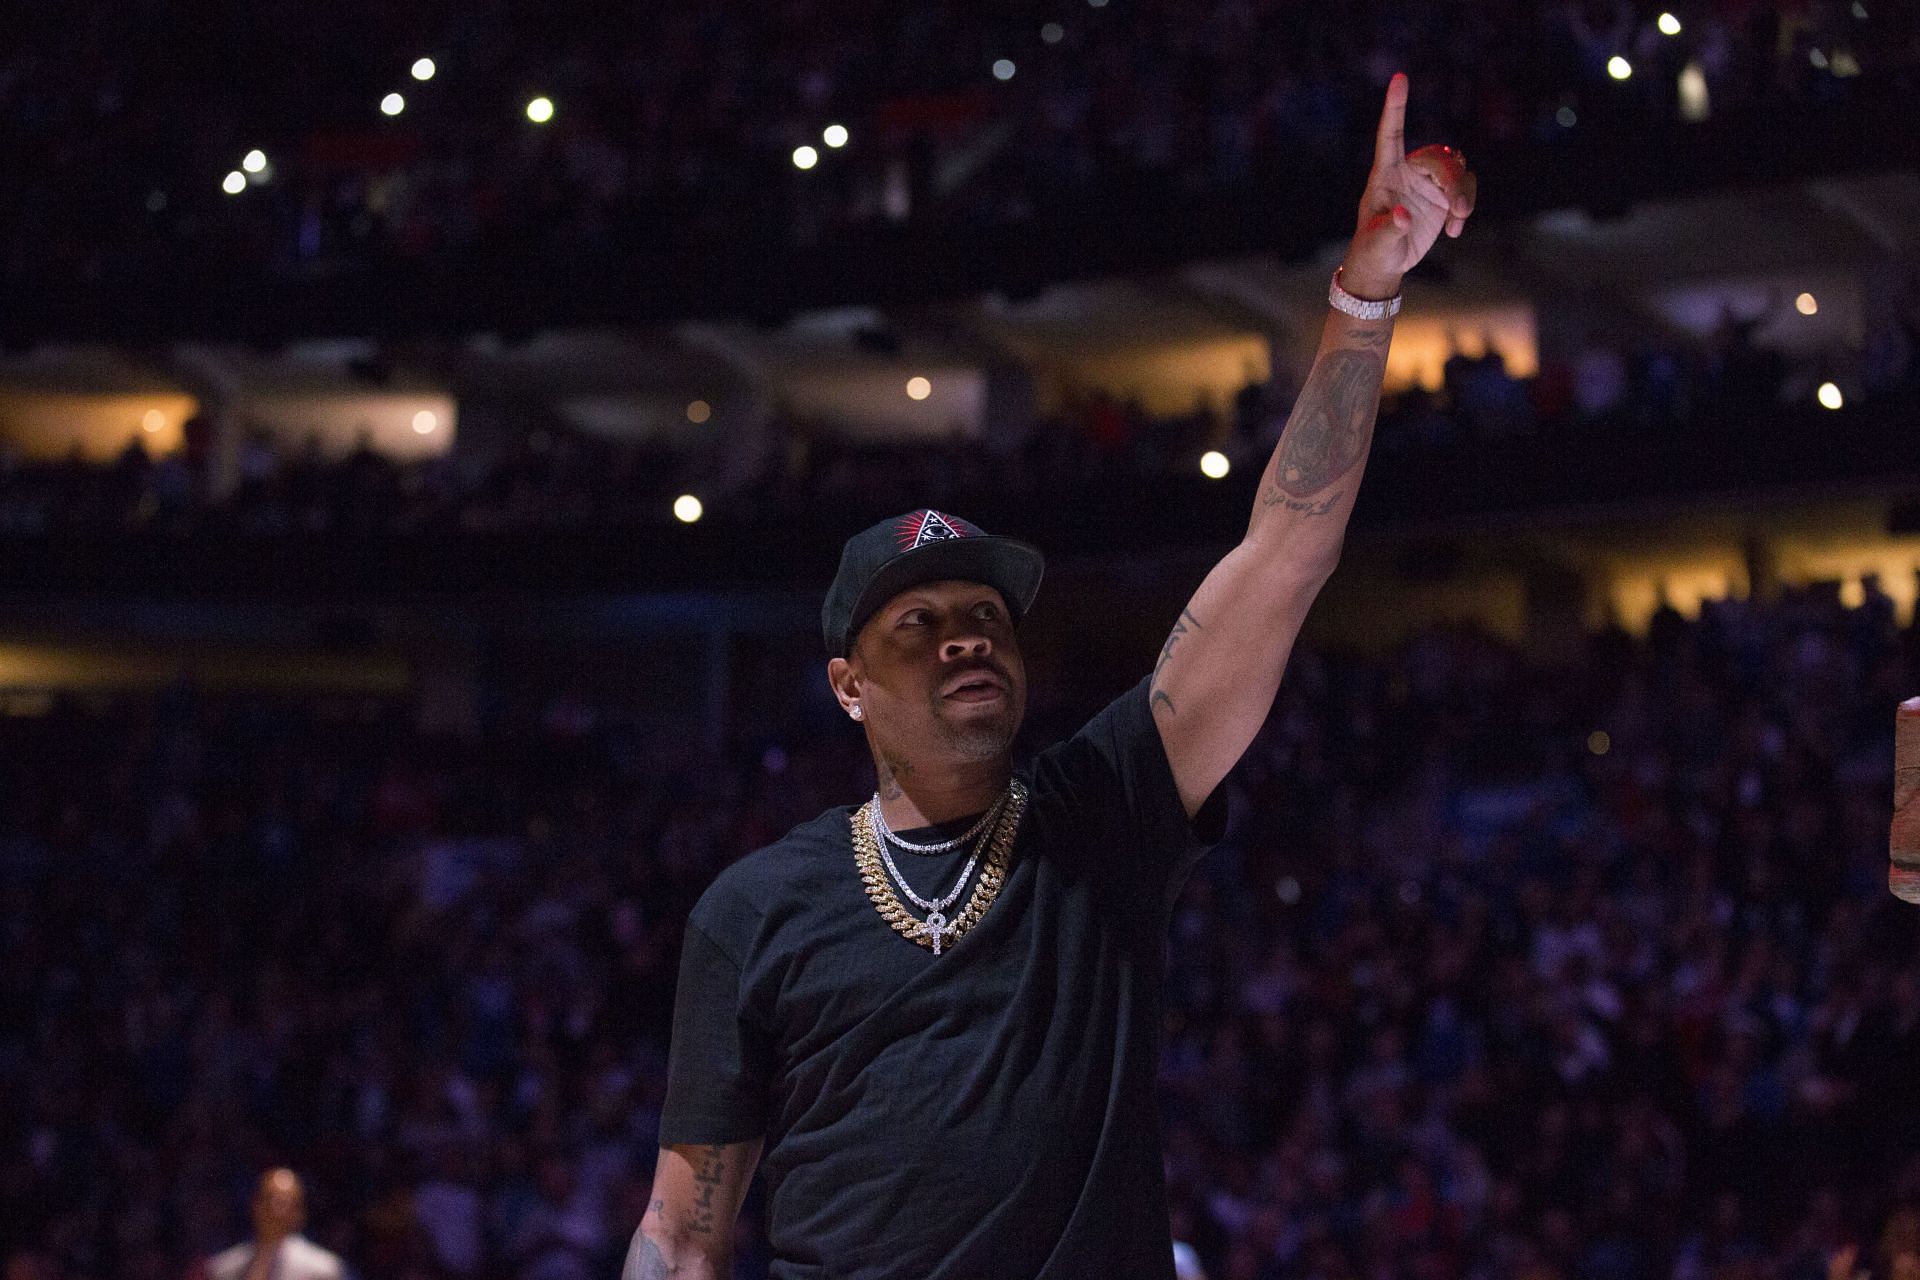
x=1118 y=760
x=719 y=1068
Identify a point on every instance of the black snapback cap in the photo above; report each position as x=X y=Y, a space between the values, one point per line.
x=922 y=546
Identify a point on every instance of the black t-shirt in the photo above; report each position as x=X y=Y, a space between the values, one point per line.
x=985 y=1113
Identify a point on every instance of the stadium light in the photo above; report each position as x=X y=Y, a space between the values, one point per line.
x=1669 y=25
x=687 y=508
x=153 y=419
x=1830 y=397
x=1599 y=742
x=1053 y=33
x=1807 y=305
x=425 y=421
x=1695 y=103
x=1618 y=67
x=834 y=135
x=1003 y=69
x=423 y=69
x=805 y=157
x=392 y=105
x=254 y=162
x=918 y=388
x=1567 y=117
x=699 y=411
x=540 y=110
x=234 y=183
x=1214 y=465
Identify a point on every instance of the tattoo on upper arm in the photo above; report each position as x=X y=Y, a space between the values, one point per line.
x=1158 y=696
x=1329 y=428
x=707 y=1176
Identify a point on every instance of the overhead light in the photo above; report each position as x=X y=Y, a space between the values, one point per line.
x=540 y=110
x=1599 y=742
x=834 y=135
x=254 y=161
x=1668 y=24
x=1566 y=117
x=918 y=388
x=1807 y=305
x=687 y=508
x=1618 y=67
x=392 y=105
x=423 y=69
x=234 y=183
x=699 y=411
x=1003 y=69
x=1214 y=464
x=1830 y=397
x=805 y=157
x=1695 y=103
x=153 y=419
x=1053 y=33
x=425 y=421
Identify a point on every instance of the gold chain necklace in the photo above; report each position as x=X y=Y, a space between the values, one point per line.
x=935 y=932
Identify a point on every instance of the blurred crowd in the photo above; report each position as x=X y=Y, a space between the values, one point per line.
x=1506 y=969
x=677 y=123
x=552 y=475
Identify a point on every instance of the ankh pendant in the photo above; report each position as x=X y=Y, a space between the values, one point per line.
x=936 y=924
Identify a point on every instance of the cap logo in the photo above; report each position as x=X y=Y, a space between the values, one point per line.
x=927 y=526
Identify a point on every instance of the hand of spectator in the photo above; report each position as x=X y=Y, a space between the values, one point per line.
x=1409 y=200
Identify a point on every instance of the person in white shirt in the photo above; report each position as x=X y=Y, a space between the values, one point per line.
x=277 y=1251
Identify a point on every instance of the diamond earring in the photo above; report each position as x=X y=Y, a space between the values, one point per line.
x=854 y=711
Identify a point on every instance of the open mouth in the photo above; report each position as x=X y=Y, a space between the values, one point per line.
x=976 y=688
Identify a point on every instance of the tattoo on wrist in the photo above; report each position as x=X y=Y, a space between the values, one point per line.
x=707 y=1178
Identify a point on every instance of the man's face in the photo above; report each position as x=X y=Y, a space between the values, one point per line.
x=938 y=676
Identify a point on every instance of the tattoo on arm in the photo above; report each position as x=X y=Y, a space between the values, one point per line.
x=1158 y=696
x=1331 y=425
x=707 y=1177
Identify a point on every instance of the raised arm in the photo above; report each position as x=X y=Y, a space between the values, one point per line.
x=688 y=1228
x=1220 y=668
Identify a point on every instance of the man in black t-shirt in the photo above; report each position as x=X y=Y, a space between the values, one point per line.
x=933 y=1018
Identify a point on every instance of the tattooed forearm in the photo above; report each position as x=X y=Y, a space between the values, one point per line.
x=1185 y=623
x=1330 y=427
x=644 y=1261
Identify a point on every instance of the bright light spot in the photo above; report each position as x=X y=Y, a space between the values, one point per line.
x=1214 y=464
x=425 y=421
x=392 y=105
x=254 y=162
x=1566 y=117
x=805 y=157
x=834 y=135
x=1669 y=25
x=699 y=411
x=234 y=183
x=153 y=419
x=1806 y=304
x=1695 y=105
x=918 y=388
x=1053 y=33
x=1599 y=742
x=423 y=69
x=540 y=110
x=687 y=508
x=1845 y=64
x=1830 y=397
x=1003 y=69
x=1818 y=57
x=1859 y=10
x=1618 y=67
x=1287 y=889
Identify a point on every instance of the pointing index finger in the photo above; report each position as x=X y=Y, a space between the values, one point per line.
x=1390 y=144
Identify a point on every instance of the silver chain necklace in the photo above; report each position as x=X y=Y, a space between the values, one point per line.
x=936 y=909
x=941 y=847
